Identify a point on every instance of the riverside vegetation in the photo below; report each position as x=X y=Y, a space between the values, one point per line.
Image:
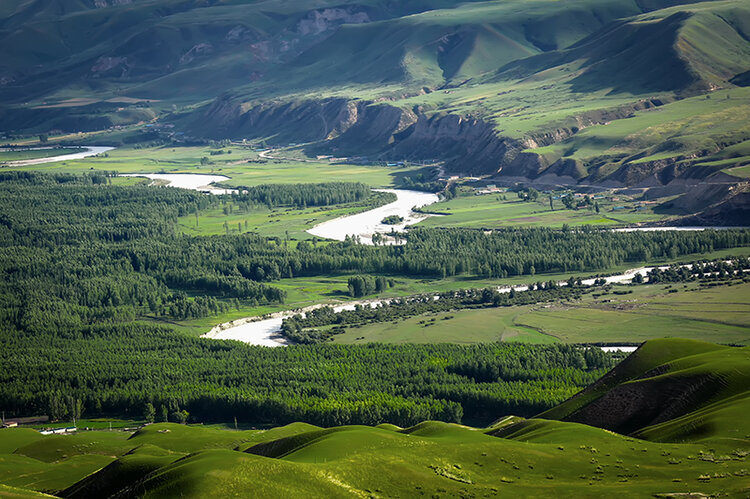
x=565 y=116
x=99 y=271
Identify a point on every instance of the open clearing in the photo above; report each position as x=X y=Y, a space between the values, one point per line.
x=492 y=211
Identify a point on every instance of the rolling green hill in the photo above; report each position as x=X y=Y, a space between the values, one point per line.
x=668 y=390
x=700 y=448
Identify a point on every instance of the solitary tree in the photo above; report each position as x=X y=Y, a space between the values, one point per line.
x=76 y=408
x=149 y=413
x=180 y=417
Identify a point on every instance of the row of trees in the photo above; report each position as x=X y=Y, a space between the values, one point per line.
x=720 y=269
x=303 y=329
x=303 y=195
x=363 y=285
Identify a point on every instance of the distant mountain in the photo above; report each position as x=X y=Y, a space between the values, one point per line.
x=496 y=87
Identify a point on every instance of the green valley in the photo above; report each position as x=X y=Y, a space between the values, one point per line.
x=384 y=248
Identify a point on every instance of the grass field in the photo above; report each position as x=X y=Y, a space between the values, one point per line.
x=278 y=222
x=492 y=211
x=537 y=458
x=234 y=165
x=740 y=171
x=461 y=326
x=6 y=155
x=692 y=125
x=718 y=314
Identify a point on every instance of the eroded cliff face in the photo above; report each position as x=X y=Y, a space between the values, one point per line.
x=341 y=126
x=467 y=145
x=464 y=145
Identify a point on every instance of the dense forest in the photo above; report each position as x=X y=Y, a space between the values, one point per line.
x=92 y=251
x=304 y=195
x=85 y=264
x=118 y=369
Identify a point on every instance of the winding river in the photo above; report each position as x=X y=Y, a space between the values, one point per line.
x=265 y=330
x=90 y=151
x=367 y=223
x=192 y=181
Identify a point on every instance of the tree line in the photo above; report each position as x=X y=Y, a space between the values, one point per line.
x=303 y=329
x=117 y=369
x=304 y=195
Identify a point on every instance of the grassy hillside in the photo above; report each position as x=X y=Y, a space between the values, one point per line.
x=534 y=73
x=535 y=457
x=668 y=390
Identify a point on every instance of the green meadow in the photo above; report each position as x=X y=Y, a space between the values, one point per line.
x=697 y=124
x=718 y=314
x=9 y=155
x=277 y=222
x=242 y=165
x=491 y=211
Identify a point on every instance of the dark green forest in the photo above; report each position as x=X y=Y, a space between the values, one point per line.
x=87 y=267
x=304 y=195
x=117 y=369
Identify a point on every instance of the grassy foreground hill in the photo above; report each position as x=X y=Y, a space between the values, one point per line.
x=699 y=448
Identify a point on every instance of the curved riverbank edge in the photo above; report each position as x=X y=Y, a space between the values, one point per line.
x=366 y=224
x=265 y=330
x=90 y=151
x=193 y=181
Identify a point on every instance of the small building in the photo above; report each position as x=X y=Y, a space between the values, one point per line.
x=10 y=424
